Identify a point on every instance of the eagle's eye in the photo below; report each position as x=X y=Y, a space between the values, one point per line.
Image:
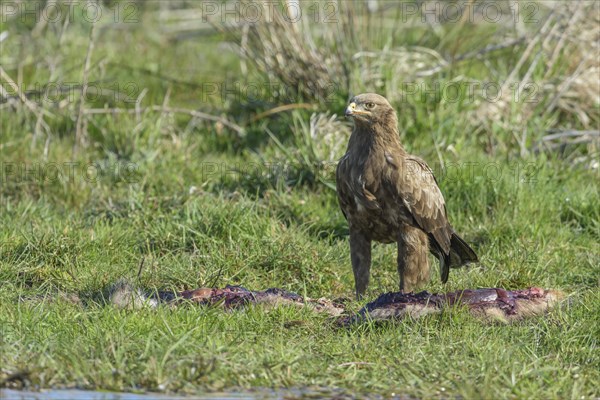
x=370 y=105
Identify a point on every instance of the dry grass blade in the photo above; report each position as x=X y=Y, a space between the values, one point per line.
x=79 y=130
x=285 y=51
x=568 y=89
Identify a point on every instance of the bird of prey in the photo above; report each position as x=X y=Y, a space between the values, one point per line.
x=390 y=196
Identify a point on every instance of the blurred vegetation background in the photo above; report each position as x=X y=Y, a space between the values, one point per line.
x=507 y=73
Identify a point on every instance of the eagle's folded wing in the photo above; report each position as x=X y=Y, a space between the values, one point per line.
x=412 y=182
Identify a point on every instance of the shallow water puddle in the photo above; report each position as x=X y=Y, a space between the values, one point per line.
x=8 y=394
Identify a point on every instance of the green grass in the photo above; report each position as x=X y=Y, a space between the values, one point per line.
x=198 y=206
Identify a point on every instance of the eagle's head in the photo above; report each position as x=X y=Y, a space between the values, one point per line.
x=371 y=109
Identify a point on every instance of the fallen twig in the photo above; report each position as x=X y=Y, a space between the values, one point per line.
x=570 y=133
x=165 y=110
x=33 y=107
x=561 y=139
x=279 y=109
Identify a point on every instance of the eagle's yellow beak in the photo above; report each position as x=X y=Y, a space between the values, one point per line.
x=350 y=109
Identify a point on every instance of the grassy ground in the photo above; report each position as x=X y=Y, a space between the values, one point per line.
x=202 y=205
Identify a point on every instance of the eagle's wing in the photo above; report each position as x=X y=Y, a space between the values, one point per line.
x=411 y=182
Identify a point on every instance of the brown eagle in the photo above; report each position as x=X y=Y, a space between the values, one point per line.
x=391 y=196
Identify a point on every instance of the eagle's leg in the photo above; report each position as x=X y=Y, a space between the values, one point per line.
x=360 y=254
x=413 y=262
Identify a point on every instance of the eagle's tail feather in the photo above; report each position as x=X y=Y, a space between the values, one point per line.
x=444 y=259
x=460 y=252
x=445 y=268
